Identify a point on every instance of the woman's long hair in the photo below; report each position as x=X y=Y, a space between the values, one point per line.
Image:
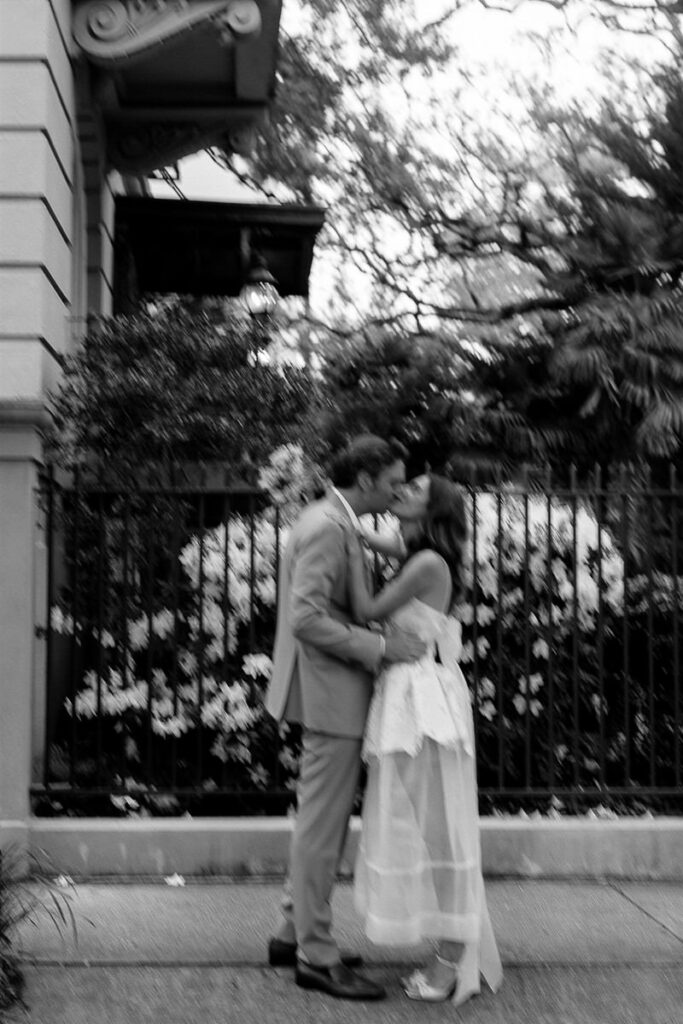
x=445 y=528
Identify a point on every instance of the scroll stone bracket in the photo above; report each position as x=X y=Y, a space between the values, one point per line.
x=113 y=33
x=142 y=148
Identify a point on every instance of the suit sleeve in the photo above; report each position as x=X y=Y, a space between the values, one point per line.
x=316 y=568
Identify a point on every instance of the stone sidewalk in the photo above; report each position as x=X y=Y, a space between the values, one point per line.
x=574 y=952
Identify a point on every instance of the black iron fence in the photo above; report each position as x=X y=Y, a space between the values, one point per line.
x=161 y=617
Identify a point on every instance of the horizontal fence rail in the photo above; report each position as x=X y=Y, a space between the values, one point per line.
x=160 y=624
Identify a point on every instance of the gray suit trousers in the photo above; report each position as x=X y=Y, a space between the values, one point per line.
x=328 y=778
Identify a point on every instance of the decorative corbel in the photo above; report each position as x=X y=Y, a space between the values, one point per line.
x=239 y=139
x=144 y=147
x=113 y=33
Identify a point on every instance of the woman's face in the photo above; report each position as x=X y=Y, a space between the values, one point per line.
x=411 y=507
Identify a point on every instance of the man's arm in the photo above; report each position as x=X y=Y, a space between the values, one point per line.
x=316 y=569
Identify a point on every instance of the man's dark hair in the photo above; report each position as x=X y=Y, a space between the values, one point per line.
x=365 y=452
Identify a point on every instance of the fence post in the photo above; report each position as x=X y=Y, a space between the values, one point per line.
x=20 y=456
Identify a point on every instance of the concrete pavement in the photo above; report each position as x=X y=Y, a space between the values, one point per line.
x=575 y=952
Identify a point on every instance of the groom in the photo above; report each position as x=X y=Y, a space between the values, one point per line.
x=323 y=670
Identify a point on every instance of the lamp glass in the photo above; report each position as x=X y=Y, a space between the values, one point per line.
x=260 y=297
x=259 y=294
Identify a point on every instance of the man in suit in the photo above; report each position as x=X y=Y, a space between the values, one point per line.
x=323 y=671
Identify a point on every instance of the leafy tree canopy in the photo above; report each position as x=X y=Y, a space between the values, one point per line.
x=428 y=174
x=392 y=385
x=610 y=246
x=479 y=223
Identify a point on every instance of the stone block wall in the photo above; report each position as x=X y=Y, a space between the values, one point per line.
x=56 y=217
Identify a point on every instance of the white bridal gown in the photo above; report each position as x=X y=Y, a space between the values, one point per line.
x=418 y=871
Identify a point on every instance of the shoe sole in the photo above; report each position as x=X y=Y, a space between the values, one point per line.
x=290 y=961
x=312 y=984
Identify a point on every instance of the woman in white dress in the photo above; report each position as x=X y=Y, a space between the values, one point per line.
x=418 y=872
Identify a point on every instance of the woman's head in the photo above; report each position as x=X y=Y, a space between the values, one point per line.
x=433 y=515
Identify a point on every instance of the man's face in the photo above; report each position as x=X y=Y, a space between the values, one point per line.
x=386 y=487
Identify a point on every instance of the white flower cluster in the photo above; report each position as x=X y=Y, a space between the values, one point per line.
x=544 y=536
x=228 y=711
x=173 y=711
x=226 y=565
x=289 y=476
x=543 y=559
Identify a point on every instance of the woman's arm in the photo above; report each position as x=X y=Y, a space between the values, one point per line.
x=412 y=581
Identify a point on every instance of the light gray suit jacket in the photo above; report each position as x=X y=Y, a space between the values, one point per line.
x=323 y=665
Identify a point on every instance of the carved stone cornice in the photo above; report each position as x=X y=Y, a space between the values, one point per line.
x=113 y=33
x=139 y=148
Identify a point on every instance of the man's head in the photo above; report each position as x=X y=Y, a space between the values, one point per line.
x=370 y=471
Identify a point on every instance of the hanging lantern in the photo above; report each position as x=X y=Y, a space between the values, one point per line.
x=259 y=292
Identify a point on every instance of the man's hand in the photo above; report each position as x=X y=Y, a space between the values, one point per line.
x=403 y=646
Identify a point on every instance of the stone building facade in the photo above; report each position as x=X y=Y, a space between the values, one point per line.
x=94 y=95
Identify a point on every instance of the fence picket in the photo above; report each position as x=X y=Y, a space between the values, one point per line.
x=161 y=620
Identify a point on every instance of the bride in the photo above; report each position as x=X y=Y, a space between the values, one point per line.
x=418 y=872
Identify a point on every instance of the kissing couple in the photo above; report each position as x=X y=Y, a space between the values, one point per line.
x=394 y=697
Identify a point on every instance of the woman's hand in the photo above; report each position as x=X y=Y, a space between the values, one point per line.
x=389 y=544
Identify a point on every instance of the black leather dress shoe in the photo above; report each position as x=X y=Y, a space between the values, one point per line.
x=283 y=954
x=338 y=981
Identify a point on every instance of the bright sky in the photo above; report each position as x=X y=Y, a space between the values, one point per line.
x=494 y=40
x=493 y=44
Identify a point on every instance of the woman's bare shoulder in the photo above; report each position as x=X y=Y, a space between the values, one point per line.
x=428 y=563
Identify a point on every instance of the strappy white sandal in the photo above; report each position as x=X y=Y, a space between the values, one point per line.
x=463 y=985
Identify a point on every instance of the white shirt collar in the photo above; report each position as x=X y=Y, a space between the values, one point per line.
x=355 y=521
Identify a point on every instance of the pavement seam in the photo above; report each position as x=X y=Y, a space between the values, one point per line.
x=592 y=965
x=646 y=912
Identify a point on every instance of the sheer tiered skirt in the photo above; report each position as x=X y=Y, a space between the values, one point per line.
x=418 y=870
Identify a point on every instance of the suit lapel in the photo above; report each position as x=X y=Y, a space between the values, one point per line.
x=338 y=512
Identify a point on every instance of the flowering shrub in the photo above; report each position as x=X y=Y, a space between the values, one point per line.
x=175 y=656
x=291 y=480
x=546 y=623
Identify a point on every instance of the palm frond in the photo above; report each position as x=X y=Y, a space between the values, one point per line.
x=581 y=364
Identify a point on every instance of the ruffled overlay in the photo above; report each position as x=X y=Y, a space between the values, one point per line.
x=418 y=870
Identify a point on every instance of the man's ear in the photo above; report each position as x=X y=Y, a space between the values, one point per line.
x=364 y=480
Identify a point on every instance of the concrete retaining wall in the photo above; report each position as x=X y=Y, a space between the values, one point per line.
x=564 y=848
